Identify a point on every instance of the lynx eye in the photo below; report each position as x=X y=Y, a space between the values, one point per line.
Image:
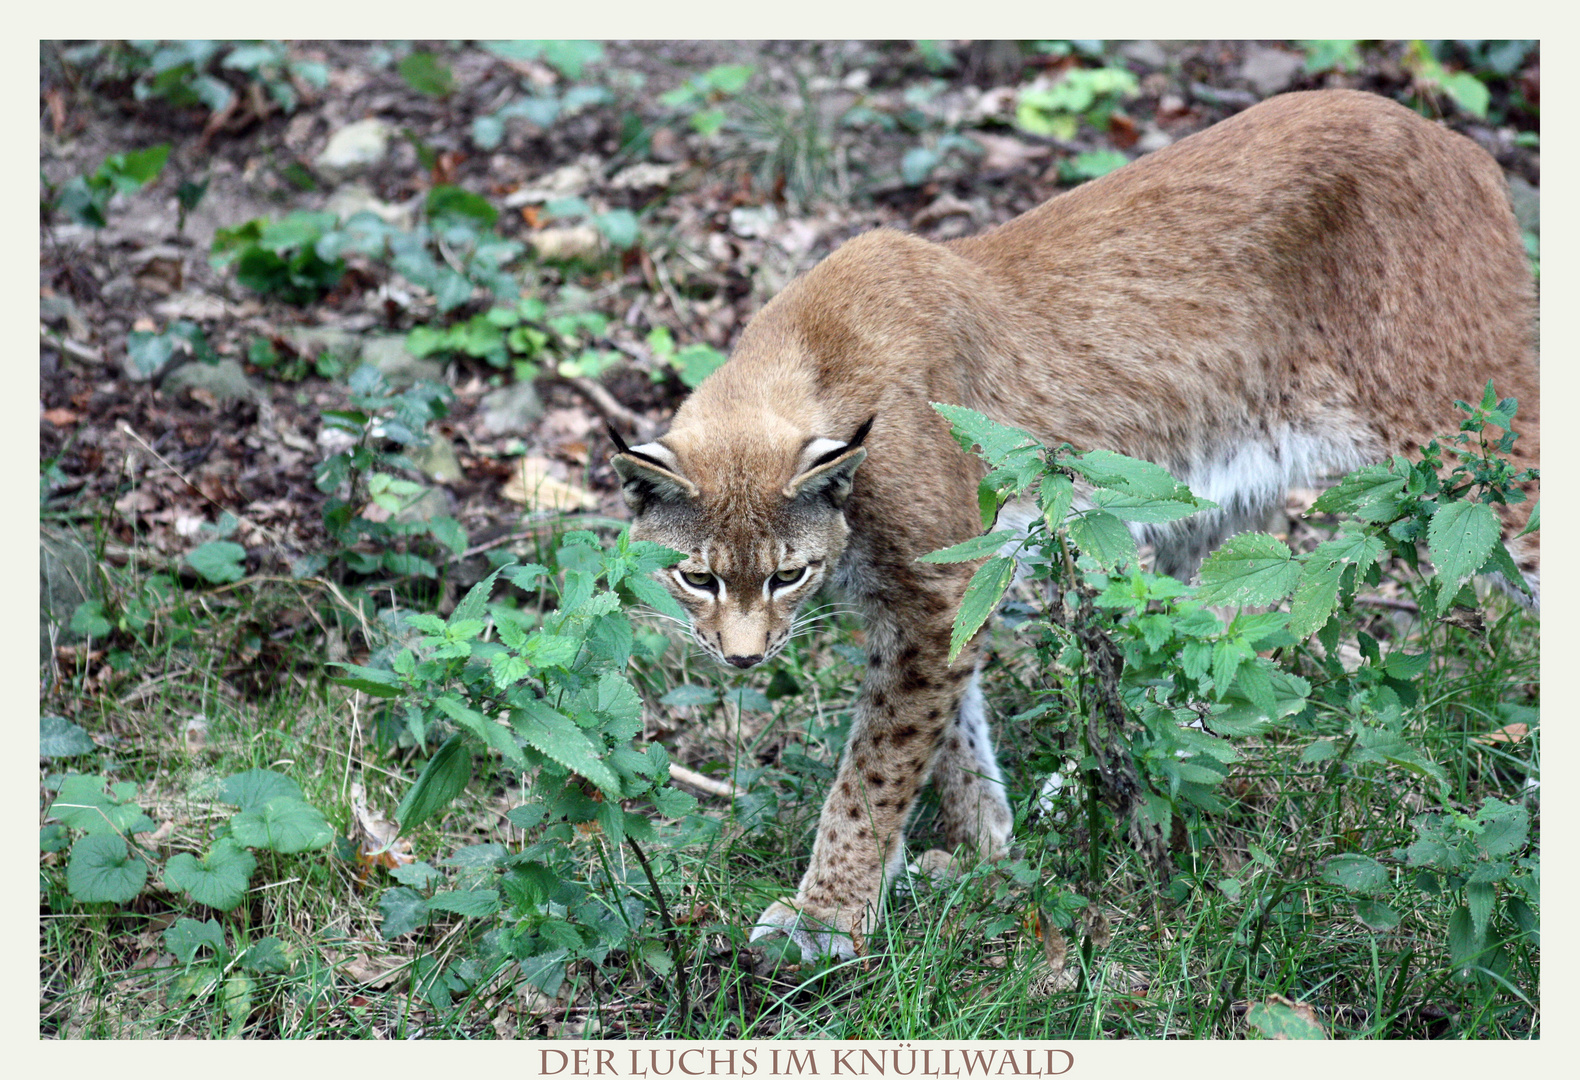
x=700 y=580
x=785 y=578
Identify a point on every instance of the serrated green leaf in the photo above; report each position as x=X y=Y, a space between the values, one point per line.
x=1376 y=915
x=442 y=779
x=59 y=737
x=1460 y=537
x=975 y=548
x=471 y=903
x=689 y=695
x=103 y=870
x=1316 y=596
x=404 y=910
x=494 y=735
x=218 y=880
x=1251 y=568
x=1145 y=508
x=556 y=736
x=385 y=684
x=1103 y=537
x=267 y=955
x=1370 y=493
x=474 y=605
x=250 y=790
x=1130 y=476
x=1357 y=873
x=982 y=595
x=1464 y=944
x=1535 y=521
x=1504 y=827
x=971 y=429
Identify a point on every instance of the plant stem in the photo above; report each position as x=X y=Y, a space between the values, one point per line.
x=673 y=933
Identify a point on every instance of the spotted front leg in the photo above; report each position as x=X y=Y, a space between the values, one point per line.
x=910 y=700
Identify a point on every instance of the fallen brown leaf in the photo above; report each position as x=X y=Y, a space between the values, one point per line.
x=531 y=485
x=61 y=417
x=1509 y=733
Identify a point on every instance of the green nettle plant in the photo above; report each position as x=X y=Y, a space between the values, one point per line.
x=1160 y=696
x=545 y=693
x=367 y=475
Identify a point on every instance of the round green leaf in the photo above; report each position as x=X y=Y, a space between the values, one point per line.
x=282 y=824
x=219 y=879
x=102 y=870
x=251 y=789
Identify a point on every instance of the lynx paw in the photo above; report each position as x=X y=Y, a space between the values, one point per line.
x=816 y=931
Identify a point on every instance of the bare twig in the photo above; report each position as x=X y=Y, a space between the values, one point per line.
x=722 y=788
x=609 y=408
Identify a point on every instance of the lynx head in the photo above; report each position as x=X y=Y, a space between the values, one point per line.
x=760 y=518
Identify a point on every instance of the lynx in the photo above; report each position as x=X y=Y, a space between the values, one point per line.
x=1294 y=292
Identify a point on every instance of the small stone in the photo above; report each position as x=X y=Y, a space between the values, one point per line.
x=1147 y=53
x=354 y=148
x=400 y=369
x=1527 y=202
x=354 y=199
x=511 y=410
x=1269 y=70
x=575 y=242
x=222 y=382
x=437 y=460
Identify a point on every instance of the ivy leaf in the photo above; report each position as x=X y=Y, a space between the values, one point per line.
x=1251 y=568
x=103 y=870
x=218 y=880
x=442 y=779
x=59 y=737
x=1460 y=537
x=282 y=824
x=982 y=595
x=186 y=936
x=219 y=561
x=975 y=548
x=556 y=736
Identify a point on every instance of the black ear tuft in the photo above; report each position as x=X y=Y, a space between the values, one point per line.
x=861 y=432
x=619 y=444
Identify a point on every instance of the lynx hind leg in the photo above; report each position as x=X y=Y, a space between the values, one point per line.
x=972 y=805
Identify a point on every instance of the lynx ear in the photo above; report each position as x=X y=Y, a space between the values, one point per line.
x=649 y=472
x=826 y=467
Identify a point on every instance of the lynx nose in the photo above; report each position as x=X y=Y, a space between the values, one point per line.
x=745 y=661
